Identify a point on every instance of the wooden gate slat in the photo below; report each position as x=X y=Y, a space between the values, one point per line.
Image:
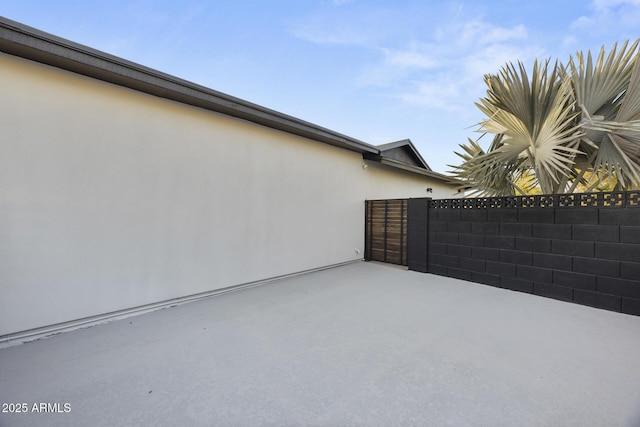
x=386 y=231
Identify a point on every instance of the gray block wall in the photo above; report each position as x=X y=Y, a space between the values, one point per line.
x=584 y=254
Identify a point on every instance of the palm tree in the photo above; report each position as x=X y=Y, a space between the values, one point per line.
x=563 y=129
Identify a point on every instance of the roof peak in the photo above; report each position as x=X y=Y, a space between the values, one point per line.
x=387 y=150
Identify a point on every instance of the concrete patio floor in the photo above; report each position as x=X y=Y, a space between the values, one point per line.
x=361 y=344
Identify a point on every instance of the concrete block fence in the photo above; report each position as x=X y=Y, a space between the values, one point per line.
x=583 y=248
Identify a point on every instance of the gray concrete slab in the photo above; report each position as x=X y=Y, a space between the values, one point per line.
x=362 y=344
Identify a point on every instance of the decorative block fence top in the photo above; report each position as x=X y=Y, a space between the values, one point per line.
x=614 y=199
x=583 y=248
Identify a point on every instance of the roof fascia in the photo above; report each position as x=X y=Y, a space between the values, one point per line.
x=21 y=40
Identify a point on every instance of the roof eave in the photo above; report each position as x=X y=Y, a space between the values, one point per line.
x=29 y=43
x=410 y=168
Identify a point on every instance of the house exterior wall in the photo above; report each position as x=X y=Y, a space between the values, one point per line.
x=112 y=199
x=382 y=179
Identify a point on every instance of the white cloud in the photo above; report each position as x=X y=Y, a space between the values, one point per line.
x=337 y=29
x=603 y=5
x=569 y=41
x=492 y=58
x=409 y=59
x=446 y=72
x=396 y=65
x=360 y=25
x=429 y=60
x=439 y=65
x=480 y=32
x=440 y=93
x=608 y=17
x=582 y=22
x=339 y=36
x=497 y=34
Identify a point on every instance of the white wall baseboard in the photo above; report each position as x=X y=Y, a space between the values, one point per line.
x=87 y=322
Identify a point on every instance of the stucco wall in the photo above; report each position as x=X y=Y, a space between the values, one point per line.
x=112 y=199
x=380 y=180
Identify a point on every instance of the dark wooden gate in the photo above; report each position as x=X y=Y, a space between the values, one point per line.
x=386 y=231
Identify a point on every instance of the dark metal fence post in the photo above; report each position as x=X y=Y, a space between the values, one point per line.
x=418 y=234
x=367 y=230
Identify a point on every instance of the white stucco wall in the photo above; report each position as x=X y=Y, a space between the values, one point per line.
x=112 y=199
x=385 y=182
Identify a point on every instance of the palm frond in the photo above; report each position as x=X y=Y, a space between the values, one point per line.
x=559 y=125
x=598 y=87
x=536 y=118
x=482 y=175
x=617 y=138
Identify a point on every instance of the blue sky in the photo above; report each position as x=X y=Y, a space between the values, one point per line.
x=378 y=71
